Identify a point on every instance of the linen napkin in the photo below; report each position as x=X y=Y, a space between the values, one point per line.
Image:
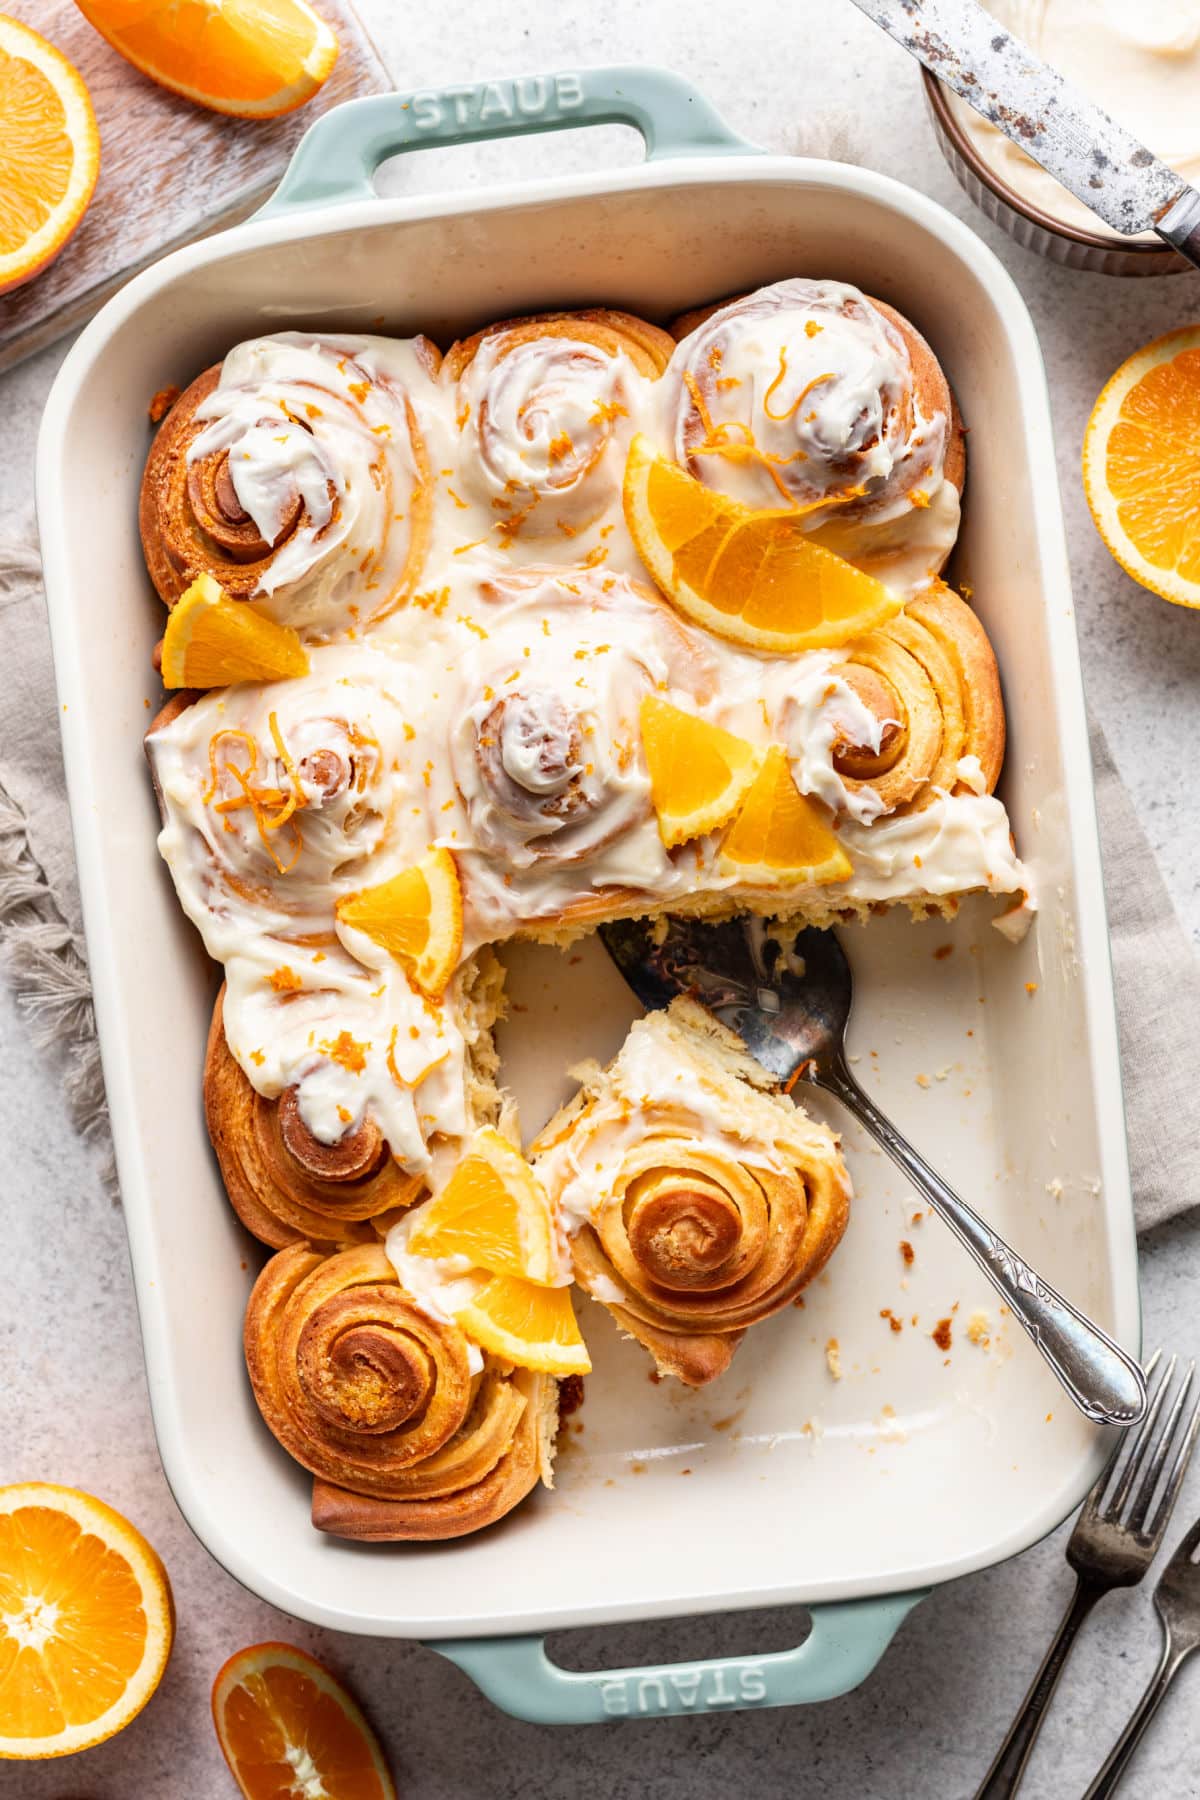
x=43 y=955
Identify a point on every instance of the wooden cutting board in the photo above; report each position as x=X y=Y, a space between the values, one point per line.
x=169 y=171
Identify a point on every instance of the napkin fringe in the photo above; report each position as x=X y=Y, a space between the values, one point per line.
x=50 y=980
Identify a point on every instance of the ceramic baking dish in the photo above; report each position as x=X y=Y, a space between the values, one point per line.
x=782 y=1484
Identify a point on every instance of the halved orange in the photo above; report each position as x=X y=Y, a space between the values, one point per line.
x=213 y=641
x=255 y=58
x=49 y=152
x=1141 y=466
x=86 y=1621
x=287 y=1727
x=780 y=835
x=699 y=772
x=530 y=1326
x=417 y=916
x=750 y=575
x=494 y=1210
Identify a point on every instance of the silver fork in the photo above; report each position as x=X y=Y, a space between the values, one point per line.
x=1113 y=1544
x=1177 y=1601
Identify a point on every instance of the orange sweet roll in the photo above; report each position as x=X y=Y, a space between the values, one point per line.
x=329 y=1074
x=411 y=1431
x=296 y=474
x=546 y=408
x=808 y=394
x=699 y=1201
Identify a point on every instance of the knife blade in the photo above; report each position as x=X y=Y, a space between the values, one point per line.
x=1093 y=156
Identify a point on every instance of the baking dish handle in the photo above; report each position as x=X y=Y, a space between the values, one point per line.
x=846 y=1641
x=337 y=158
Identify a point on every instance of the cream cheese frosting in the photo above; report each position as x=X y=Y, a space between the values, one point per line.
x=496 y=713
x=1141 y=63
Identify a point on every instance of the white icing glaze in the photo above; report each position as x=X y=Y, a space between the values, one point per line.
x=802 y=394
x=1140 y=62
x=497 y=712
x=438 y=1285
x=326 y=421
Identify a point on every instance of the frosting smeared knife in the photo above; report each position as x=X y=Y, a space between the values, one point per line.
x=1100 y=162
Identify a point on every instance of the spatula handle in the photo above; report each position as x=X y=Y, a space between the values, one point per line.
x=1180 y=225
x=1105 y=1384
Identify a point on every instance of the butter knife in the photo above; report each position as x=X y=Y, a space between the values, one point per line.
x=1100 y=162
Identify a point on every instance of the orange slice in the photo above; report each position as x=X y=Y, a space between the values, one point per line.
x=530 y=1326
x=752 y=576
x=780 y=835
x=699 y=773
x=49 y=152
x=213 y=641
x=288 y=1727
x=494 y=1210
x=255 y=58
x=1141 y=466
x=86 y=1621
x=417 y=916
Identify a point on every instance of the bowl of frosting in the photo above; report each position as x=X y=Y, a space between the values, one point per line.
x=1140 y=61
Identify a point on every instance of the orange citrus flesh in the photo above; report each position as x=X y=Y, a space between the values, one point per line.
x=1141 y=466
x=699 y=772
x=49 y=152
x=530 y=1326
x=494 y=1210
x=780 y=835
x=753 y=576
x=287 y=1728
x=255 y=58
x=417 y=916
x=86 y=1621
x=213 y=641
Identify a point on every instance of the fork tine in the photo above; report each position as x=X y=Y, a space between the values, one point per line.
x=1162 y=1449
x=1175 y=1478
x=1142 y=1443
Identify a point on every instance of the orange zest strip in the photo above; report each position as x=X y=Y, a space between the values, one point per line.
x=394 y=1072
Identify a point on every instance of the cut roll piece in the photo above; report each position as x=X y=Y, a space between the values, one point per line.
x=410 y=1433
x=699 y=1201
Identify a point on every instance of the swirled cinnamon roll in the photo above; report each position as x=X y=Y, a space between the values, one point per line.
x=412 y=1432
x=698 y=1201
x=809 y=394
x=276 y=801
x=546 y=408
x=546 y=744
x=929 y=685
x=296 y=474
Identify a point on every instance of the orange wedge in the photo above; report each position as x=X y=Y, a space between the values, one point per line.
x=780 y=835
x=86 y=1621
x=417 y=916
x=255 y=58
x=752 y=576
x=288 y=1727
x=699 y=773
x=494 y=1210
x=530 y=1326
x=49 y=152
x=213 y=641
x=1141 y=466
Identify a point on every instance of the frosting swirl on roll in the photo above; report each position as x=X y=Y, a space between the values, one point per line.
x=296 y=474
x=808 y=394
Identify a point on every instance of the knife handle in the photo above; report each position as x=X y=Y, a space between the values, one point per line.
x=1179 y=226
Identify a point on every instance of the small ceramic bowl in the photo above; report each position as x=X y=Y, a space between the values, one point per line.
x=1095 y=251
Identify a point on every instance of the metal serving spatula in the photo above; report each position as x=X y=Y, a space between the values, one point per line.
x=789 y=1002
x=1075 y=141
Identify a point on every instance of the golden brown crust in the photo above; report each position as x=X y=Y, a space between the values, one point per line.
x=378 y=1400
x=931 y=673
x=648 y=348
x=284 y=1185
